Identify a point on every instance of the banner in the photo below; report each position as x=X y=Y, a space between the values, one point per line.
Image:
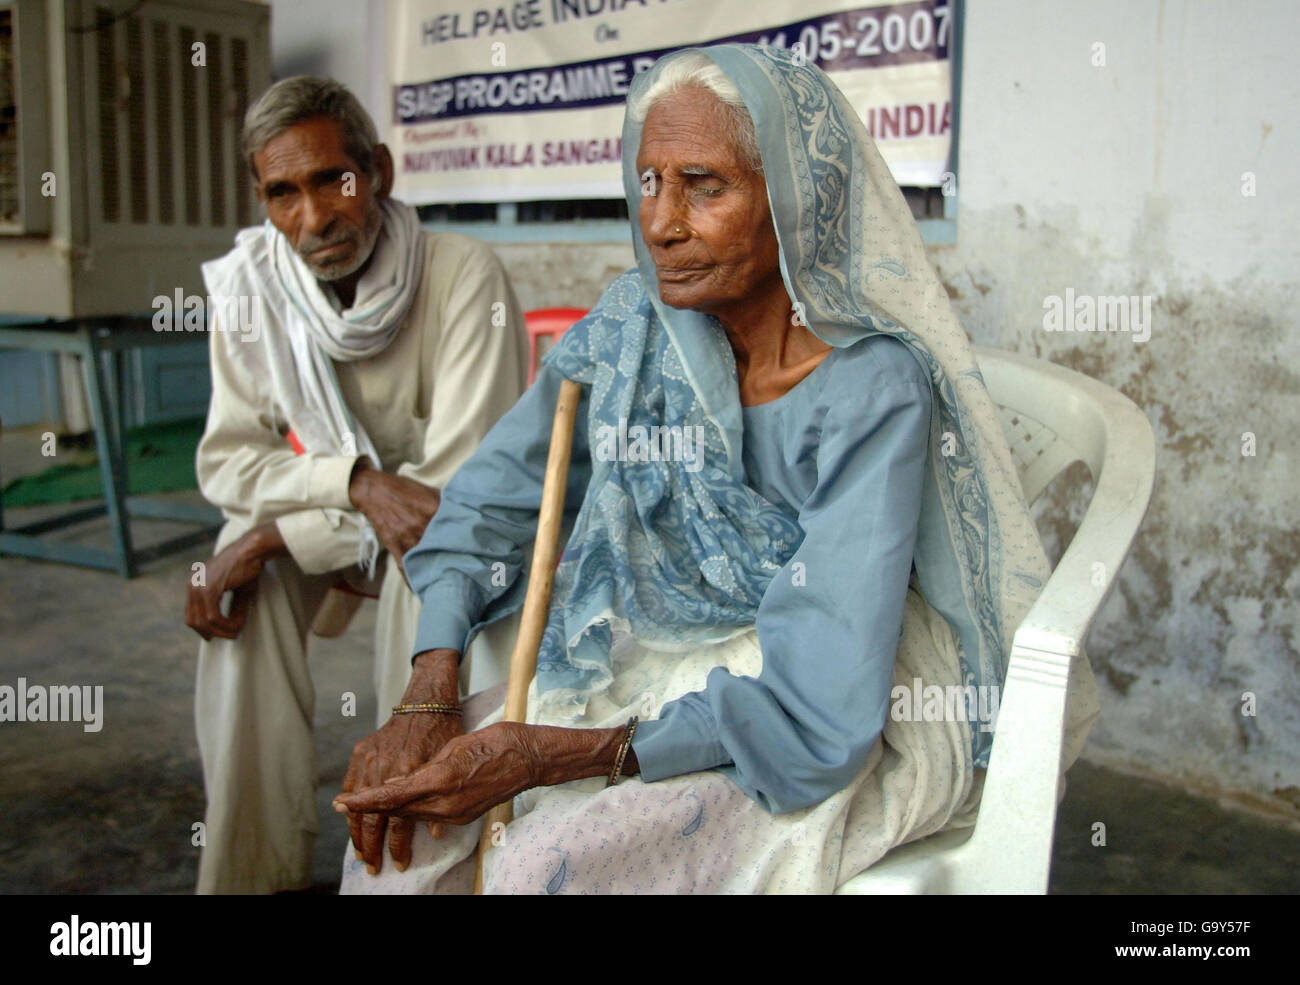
x=524 y=100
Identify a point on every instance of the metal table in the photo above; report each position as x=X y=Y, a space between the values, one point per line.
x=101 y=343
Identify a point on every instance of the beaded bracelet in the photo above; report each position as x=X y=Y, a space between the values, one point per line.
x=429 y=706
x=622 y=751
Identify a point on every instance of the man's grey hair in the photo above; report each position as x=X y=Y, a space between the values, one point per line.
x=303 y=97
x=698 y=70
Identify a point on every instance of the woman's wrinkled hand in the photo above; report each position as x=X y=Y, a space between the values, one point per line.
x=466 y=778
x=402 y=745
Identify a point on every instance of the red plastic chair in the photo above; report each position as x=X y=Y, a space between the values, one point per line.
x=550 y=322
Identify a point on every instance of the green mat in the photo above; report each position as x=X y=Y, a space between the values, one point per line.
x=160 y=458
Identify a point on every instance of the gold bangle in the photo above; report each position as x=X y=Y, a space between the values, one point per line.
x=429 y=706
x=622 y=751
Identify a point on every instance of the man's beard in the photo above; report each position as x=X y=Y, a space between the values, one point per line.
x=364 y=240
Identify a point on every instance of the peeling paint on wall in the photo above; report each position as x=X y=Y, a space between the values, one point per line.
x=1204 y=612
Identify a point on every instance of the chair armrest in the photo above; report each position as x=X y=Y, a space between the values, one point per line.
x=1012 y=845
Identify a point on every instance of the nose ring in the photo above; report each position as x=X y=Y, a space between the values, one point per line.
x=677 y=230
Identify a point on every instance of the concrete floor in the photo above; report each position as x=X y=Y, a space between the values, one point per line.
x=112 y=811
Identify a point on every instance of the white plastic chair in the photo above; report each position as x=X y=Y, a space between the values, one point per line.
x=1052 y=417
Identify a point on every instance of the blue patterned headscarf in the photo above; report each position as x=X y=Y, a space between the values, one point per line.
x=680 y=553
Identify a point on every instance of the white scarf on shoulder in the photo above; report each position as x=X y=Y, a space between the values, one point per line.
x=301 y=333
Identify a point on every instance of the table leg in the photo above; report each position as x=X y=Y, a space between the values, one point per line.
x=111 y=448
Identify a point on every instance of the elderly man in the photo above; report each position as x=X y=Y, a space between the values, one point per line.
x=388 y=352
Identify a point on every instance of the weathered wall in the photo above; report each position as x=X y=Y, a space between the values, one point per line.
x=328 y=37
x=1127 y=178
x=567 y=275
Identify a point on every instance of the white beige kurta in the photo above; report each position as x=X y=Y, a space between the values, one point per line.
x=457 y=364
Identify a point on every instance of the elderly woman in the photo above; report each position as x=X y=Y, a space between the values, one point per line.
x=792 y=497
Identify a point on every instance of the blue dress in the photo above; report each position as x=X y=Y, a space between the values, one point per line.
x=843 y=452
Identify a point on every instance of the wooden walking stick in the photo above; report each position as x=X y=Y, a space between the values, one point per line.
x=523 y=660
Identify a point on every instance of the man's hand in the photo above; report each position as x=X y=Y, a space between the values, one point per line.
x=398 y=508
x=401 y=746
x=235 y=569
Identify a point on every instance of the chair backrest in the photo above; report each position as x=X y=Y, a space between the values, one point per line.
x=548 y=322
x=1052 y=417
